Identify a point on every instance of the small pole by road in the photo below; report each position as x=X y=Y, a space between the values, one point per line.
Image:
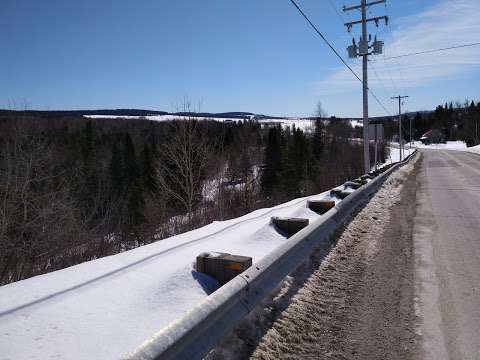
x=400 y=142
x=410 y=132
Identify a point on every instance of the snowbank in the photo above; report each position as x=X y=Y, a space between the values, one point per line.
x=395 y=153
x=449 y=145
x=104 y=308
x=474 y=149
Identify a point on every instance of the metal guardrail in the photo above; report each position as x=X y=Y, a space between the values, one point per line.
x=192 y=336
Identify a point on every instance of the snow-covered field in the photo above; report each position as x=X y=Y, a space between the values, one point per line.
x=160 y=117
x=107 y=307
x=304 y=124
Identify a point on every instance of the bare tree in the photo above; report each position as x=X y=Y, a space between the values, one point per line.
x=320 y=111
x=37 y=214
x=183 y=160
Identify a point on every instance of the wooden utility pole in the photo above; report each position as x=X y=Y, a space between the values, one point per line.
x=400 y=142
x=363 y=51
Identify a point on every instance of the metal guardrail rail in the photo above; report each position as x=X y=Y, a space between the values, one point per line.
x=192 y=336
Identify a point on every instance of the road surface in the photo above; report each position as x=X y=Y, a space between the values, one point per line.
x=447 y=243
x=403 y=281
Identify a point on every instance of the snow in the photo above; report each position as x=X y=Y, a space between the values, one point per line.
x=449 y=145
x=474 y=149
x=356 y=123
x=304 y=124
x=105 y=308
x=395 y=153
x=162 y=117
x=210 y=254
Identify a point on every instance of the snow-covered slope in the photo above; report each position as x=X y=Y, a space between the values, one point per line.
x=104 y=308
x=304 y=124
x=160 y=117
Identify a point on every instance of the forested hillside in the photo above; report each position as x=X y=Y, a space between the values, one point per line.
x=75 y=189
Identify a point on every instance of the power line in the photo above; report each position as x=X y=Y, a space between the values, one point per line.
x=432 y=51
x=336 y=11
x=325 y=39
x=380 y=80
x=337 y=54
x=399 y=64
x=363 y=50
x=389 y=75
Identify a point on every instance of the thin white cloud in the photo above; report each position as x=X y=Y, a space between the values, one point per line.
x=447 y=23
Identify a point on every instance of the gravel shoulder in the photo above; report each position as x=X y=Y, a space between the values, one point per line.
x=359 y=301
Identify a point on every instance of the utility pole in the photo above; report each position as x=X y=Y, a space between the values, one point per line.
x=363 y=51
x=400 y=142
x=410 y=132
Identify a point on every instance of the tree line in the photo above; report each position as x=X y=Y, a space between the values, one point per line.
x=458 y=122
x=74 y=189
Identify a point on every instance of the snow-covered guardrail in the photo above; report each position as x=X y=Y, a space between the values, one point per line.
x=192 y=336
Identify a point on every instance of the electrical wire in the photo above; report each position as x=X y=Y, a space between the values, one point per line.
x=337 y=54
x=380 y=80
x=432 y=51
x=343 y=21
x=398 y=64
x=395 y=88
x=325 y=40
x=337 y=12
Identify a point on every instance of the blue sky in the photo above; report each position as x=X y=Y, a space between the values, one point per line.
x=249 y=55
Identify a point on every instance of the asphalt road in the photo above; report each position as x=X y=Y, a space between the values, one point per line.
x=447 y=245
x=403 y=281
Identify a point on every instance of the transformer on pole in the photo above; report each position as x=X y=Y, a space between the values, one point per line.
x=363 y=50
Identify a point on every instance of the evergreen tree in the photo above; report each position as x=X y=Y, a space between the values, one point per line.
x=134 y=187
x=273 y=161
x=297 y=164
x=88 y=184
x=148 y=170
x=86 y=144
x=116 y=171
x=417 y=125
x=318 y=139
x=136 y=204
x=131 y=168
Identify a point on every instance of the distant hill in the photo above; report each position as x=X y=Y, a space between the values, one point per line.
x=142 y=112
x=124 y=112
